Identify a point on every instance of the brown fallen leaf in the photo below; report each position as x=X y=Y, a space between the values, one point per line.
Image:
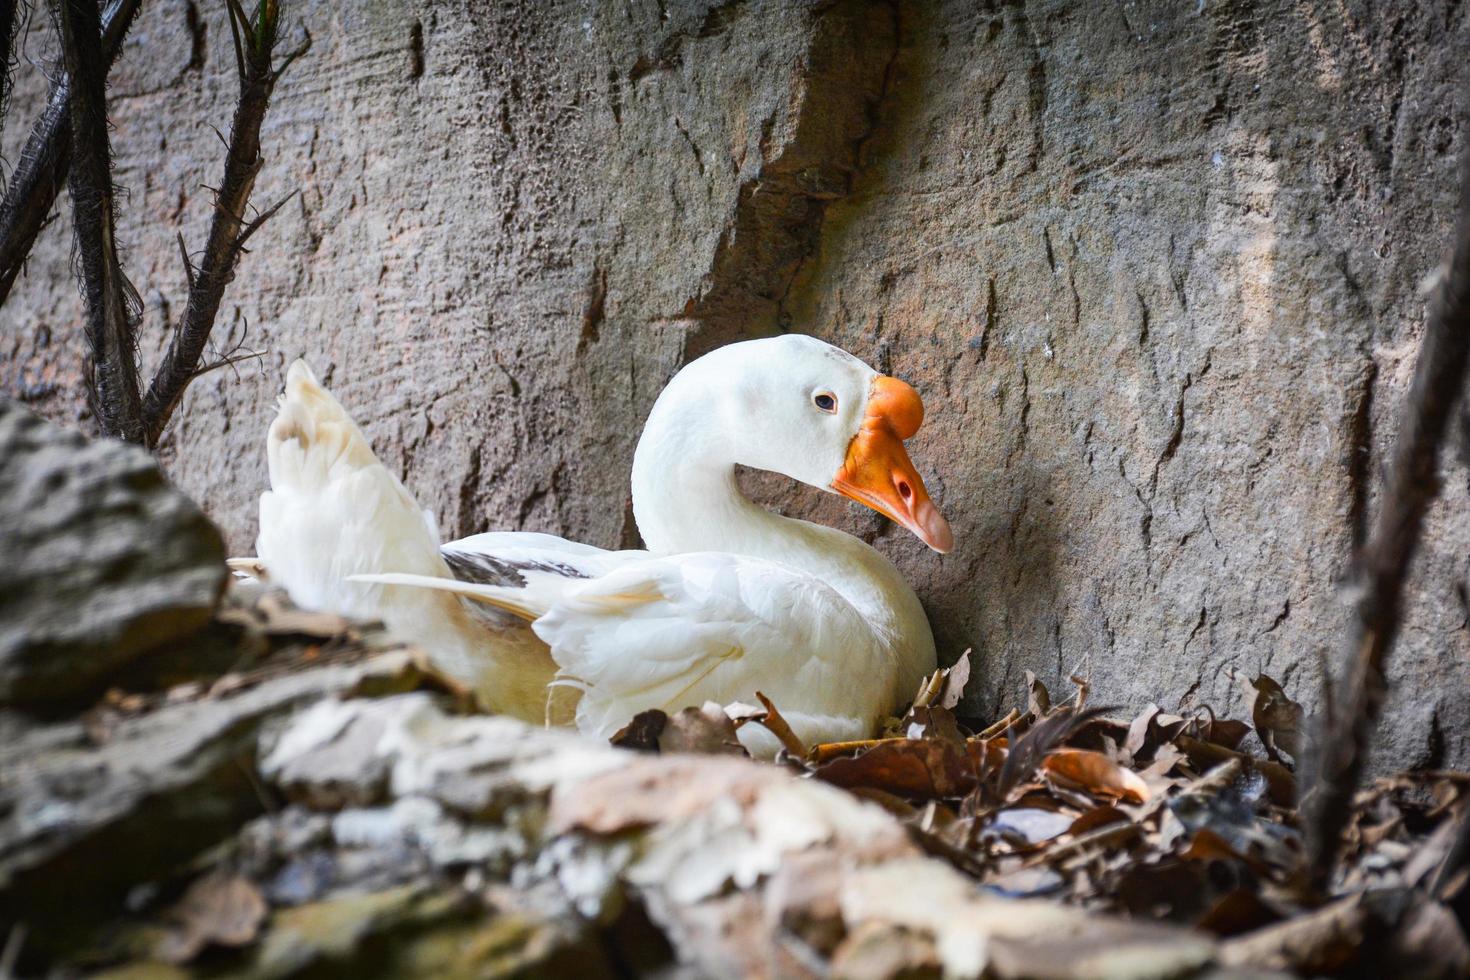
x=1030 y=749
x=1038 y=697
x=705 y=730
x=1279 y=721
x=1099 y=947
x=1138 y=731
x=1222 y=731
x=778 y=727
x=828 y=751
x=1099 y=816
x=1206 y=846
x=874 y=951
x=641 y=734
x=1095 y=773
x=933 y=722
x=1237 y=911
x=217 y=910
x=915 y=768
x=955 y=679
x=647 y=792
x=1207 y=755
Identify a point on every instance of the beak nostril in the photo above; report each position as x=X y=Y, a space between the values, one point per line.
x=903 y=489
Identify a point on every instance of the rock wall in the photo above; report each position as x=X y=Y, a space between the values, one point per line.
x=1154 y=266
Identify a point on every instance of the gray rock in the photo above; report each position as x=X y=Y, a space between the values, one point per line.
x=101 y=559
x=1154 y=266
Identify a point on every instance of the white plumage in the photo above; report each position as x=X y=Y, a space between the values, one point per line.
x=730 y=600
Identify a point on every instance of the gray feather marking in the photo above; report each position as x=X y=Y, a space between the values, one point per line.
x=483 y=569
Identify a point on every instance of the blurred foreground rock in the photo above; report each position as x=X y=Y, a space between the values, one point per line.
x=331 y=810
x=101 y=559
x=311 y=799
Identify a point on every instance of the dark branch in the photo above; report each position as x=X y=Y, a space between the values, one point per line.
x=1342 y=746
x=111 y=317
x=42 y=168
x=255 y=42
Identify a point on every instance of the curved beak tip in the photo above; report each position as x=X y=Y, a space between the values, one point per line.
x=935 y=531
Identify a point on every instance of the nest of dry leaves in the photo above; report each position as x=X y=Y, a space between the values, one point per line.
x=1162 y=817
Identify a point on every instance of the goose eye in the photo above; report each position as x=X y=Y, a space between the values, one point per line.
x=826 y=401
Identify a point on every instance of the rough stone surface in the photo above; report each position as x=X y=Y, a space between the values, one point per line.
x=1154 y=266
x=101 y=559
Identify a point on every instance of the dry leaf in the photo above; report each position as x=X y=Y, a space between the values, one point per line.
x=1207 y=755
x=955 y=679
x=1031 y=748
x=777 y=726
x=1138 y=731
x=706 y=730
x=920 y=768
x=641 y=734
x=1095 y=773
x=1224 y=731
x=1038 y=698
x=933 y=722
x=1279 y=721
x=1096 y=817
x=280 y=617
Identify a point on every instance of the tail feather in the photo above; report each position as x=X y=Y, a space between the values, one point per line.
x=334 y=511
x=313 y=440
x=528 y=603
x=336 y=518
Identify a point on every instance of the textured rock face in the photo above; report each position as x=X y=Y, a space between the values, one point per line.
x=1153 y=265
x=100 y=559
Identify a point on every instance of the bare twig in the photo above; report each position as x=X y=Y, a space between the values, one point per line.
x=229 y=360
x=42 y=168
x=255 y=41
x=1337 y=762
x=112 y=372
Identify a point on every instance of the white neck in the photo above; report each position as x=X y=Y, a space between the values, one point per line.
x=685 y=499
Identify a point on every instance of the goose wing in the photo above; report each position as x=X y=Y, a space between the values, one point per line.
x=667 y=632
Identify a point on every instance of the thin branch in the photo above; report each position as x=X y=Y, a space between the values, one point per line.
x=255 y=42
x=260 y=219
x=112 y=373
x=291 y=56
x=1342 y=747
x=42 y=168
x=184 y=254
x=229 y=360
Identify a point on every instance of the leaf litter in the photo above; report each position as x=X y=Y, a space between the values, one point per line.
x=1160 y=817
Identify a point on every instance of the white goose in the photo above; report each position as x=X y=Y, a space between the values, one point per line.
x=729 y=599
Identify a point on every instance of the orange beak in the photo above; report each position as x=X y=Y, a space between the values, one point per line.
x=877 y=472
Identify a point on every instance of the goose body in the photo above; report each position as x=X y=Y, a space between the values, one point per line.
x=729 y=598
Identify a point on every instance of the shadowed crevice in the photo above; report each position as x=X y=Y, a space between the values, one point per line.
x=778 y=218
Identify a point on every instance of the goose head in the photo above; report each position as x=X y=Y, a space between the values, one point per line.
x=803 y=408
